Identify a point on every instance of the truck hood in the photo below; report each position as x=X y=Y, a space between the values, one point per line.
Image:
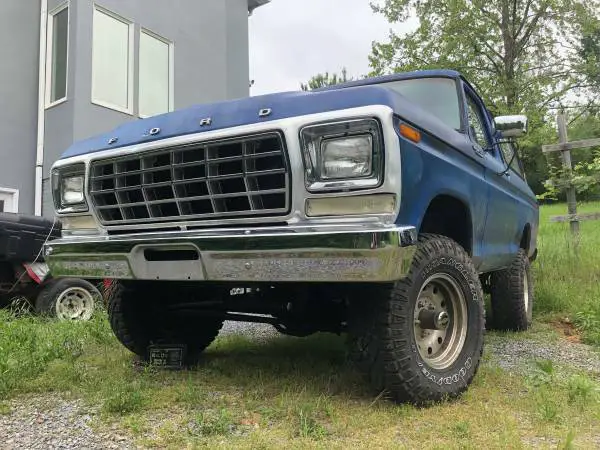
x=235 y=113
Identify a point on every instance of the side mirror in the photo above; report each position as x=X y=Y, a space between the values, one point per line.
x=511 y=126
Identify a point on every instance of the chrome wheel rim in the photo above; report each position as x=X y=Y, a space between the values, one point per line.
x=440 y=321
x=75 y=303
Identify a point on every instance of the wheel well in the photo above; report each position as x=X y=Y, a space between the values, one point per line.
x=526 y=238
x=449 y=217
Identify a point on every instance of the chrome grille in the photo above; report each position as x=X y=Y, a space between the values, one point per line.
x=234 y=178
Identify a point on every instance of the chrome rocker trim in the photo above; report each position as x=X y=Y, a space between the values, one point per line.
x=276 y=254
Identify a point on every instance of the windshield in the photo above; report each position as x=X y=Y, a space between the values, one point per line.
x=436 y=95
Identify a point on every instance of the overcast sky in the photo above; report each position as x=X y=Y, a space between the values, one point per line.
x=292 y=40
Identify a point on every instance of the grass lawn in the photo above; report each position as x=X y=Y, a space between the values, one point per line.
x=300 y=393
x=568 y=277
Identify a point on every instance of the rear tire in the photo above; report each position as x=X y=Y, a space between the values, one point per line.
x=391 y=336
x=138 y=318
x=512 y=295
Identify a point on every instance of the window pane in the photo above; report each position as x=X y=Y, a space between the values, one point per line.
x=110 y=60
x=60 y=39
x=477 y=125
x=507 y=152
x=510 y=157
x=436 y=95
x=154 y=76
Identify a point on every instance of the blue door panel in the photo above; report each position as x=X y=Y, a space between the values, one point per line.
x=504 y=224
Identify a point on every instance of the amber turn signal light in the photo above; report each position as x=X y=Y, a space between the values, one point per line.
x=410 y=133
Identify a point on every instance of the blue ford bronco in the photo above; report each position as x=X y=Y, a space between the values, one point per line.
x=381 y=208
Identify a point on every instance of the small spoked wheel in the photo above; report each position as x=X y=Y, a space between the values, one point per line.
x=440 y=326
x=74 y=303
x=69 y=299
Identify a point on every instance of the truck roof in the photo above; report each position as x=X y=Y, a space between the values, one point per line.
x=395 y=77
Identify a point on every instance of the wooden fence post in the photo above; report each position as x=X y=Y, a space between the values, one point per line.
x=565 y=147
x=571 y=192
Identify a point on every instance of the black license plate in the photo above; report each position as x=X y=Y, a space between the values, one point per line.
x=167 y=356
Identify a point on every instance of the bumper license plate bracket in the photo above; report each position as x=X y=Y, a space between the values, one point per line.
x=169 y=357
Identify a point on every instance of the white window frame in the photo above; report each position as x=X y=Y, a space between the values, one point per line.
x=171 y=69
x=131 y=62
x=50 y=53
x=14 y=193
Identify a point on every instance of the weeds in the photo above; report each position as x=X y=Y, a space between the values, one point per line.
x=542 y=373
x=214 y=423
x=5 y=409
x=137 y=424
x=569 y=443
x=309 y=425
x=30 y=346
x=461 y=430
x=581 y=390
x=126 y=399
x=568 y=279
x=547 y=407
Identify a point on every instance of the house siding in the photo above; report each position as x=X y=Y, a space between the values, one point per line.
x=19 y=56
x=210 y=40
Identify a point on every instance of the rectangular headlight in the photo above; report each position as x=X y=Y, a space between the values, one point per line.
x=72 y=190
x=349 y=157
x=343 y=155
x=68 y=186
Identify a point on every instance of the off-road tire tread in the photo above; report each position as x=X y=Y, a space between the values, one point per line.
x=507 y=286
x=389 y=365
x=131 y=333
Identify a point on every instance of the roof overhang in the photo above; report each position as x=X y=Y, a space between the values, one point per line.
x=253 y=4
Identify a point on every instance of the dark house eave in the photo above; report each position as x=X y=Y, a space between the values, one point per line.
x=253 y=4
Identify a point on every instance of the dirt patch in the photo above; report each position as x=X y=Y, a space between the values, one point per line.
x=567 y=329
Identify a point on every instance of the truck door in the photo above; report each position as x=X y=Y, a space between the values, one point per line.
x=501 y=224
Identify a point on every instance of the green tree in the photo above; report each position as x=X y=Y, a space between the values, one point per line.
x=590 y=52
x=522 y=55
x=325 y=79
x=586 y=162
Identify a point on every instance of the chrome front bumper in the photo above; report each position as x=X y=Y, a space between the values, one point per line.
x=339 y=253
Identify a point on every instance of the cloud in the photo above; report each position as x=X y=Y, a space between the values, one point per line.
x=292 y=40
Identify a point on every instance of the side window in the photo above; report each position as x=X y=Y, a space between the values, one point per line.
x=476 y=124
x=511 y=158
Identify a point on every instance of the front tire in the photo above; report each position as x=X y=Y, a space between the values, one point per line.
x=512 y=295
x=139 y=318
x=421 y=339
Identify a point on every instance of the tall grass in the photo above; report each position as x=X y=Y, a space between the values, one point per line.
x=567 y=276
x=30 y=347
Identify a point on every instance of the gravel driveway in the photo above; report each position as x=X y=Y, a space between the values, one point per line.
x=519 y=354
x=48 y=422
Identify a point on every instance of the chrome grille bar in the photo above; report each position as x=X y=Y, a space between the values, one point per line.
x=240 y=177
